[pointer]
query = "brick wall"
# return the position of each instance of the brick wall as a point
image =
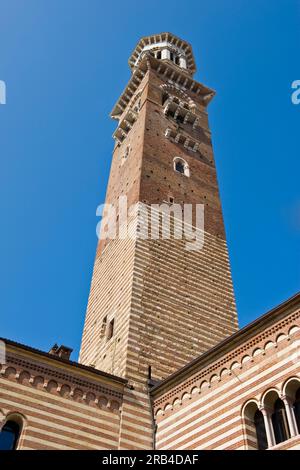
(203, 407)
(59, 406)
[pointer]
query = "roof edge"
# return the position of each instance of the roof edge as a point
(167, 35)
(77, 365)
(236, 338)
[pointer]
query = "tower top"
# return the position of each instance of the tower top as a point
(166, 47)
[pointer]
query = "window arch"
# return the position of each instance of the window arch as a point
(255, 427)
(181, 166)
(291, 391)
(276, 418)
(9, 435)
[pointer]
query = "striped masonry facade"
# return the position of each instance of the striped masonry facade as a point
(204, 409)
(59, 406)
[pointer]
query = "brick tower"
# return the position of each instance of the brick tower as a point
(153, 303)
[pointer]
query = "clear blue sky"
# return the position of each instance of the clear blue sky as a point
(65, 63)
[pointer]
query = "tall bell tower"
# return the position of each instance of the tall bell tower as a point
(153, 304)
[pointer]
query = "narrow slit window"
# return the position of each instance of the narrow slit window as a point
(110, 329)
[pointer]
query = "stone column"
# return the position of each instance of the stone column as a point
(2, 420)
(182, 62)
(269, 427)
(290, 415)
(165, 54)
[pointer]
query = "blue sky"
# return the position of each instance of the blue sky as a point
(65, 63)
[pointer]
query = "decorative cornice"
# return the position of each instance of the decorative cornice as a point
(50, 372)
(240, 343)
(170, 73)
(76, 365)
(179, 136)
(57, 383)
(235, 361)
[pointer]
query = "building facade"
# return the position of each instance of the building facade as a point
(162, 362)
(242, 394)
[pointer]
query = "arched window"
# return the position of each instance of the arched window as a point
(296, 407)
(279, 421)
(255, 430)
(181, 166)
(9, 435)
(260, 430)
(158, 55)
(291, 393)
